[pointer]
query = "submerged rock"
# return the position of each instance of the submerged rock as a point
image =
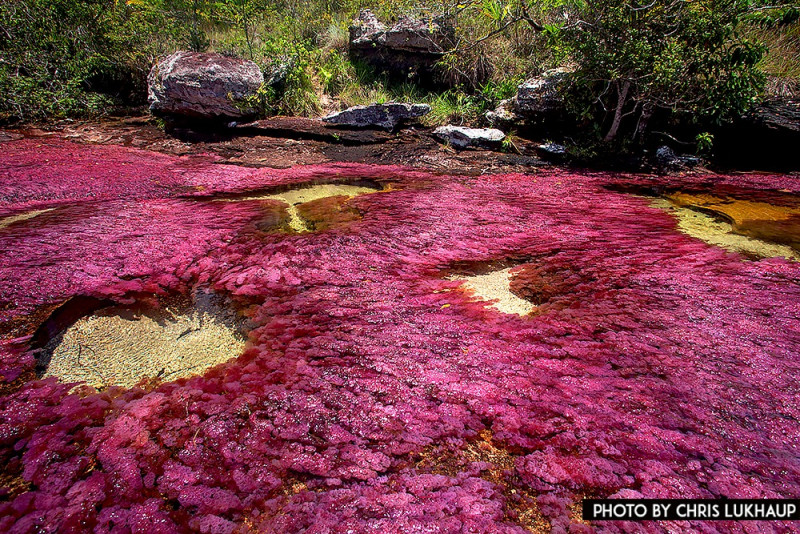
(295, 199)
(387, 116)
(203, 86)
(123, 346)
(463, 137)
(725, 234)
(494, 288)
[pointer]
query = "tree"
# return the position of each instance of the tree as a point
(681, 56)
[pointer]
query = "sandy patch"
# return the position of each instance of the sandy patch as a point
(495, 289)
(8, 221)
(121, 347)
(295, 197)
(721, 234)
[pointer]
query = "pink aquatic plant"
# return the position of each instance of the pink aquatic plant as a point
(657, 365)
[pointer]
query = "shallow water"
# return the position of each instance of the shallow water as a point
(125, 346)
(302, 195)
(374, 394)
(721, 233)
(495, 289)
(11, 219)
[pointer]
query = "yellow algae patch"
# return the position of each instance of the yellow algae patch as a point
(737, 210)
(121, 347)
(722, 234)
(8, 221)
(495, 289)
(295, 197)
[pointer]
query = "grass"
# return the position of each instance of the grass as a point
(781, 62)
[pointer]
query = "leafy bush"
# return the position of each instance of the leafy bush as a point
(63, 58)
(682, 57)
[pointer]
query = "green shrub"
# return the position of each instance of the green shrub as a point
(684, 57)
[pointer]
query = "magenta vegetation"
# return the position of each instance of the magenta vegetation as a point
(656, 365)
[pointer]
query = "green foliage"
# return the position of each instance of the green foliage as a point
(454, 107)
(705, 142)
(684, 57)
(509, 143)
(61, 58)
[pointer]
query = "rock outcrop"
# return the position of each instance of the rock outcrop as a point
(461, 137)
(387, 116)
(409, 48)
(202, 86)
(542, 95)
(666, 160)
(539, 100)
(766, 138)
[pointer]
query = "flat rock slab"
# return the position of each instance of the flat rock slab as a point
(463, 137)
(387, 116)
(9, 136)
(311, 129)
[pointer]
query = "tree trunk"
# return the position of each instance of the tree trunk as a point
(622, 96)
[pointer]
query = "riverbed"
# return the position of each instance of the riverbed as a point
(385, 347)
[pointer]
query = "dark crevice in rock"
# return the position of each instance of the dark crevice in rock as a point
(294, 128)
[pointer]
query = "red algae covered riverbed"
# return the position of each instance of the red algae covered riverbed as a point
(375, 393)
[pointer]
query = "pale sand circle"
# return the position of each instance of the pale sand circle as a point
(721, 234)
(121, 347)
(8, 221)
(293, 197)
(495, 289)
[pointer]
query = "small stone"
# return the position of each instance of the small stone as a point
(463, 137)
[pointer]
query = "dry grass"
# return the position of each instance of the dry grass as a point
(781, 62)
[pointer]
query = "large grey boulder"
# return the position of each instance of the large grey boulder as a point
(544, 94)
(462, 137)
(365, 30)
(408, 34)
(387, 116)
(540, 103)
(410, 47)
(202, 86)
